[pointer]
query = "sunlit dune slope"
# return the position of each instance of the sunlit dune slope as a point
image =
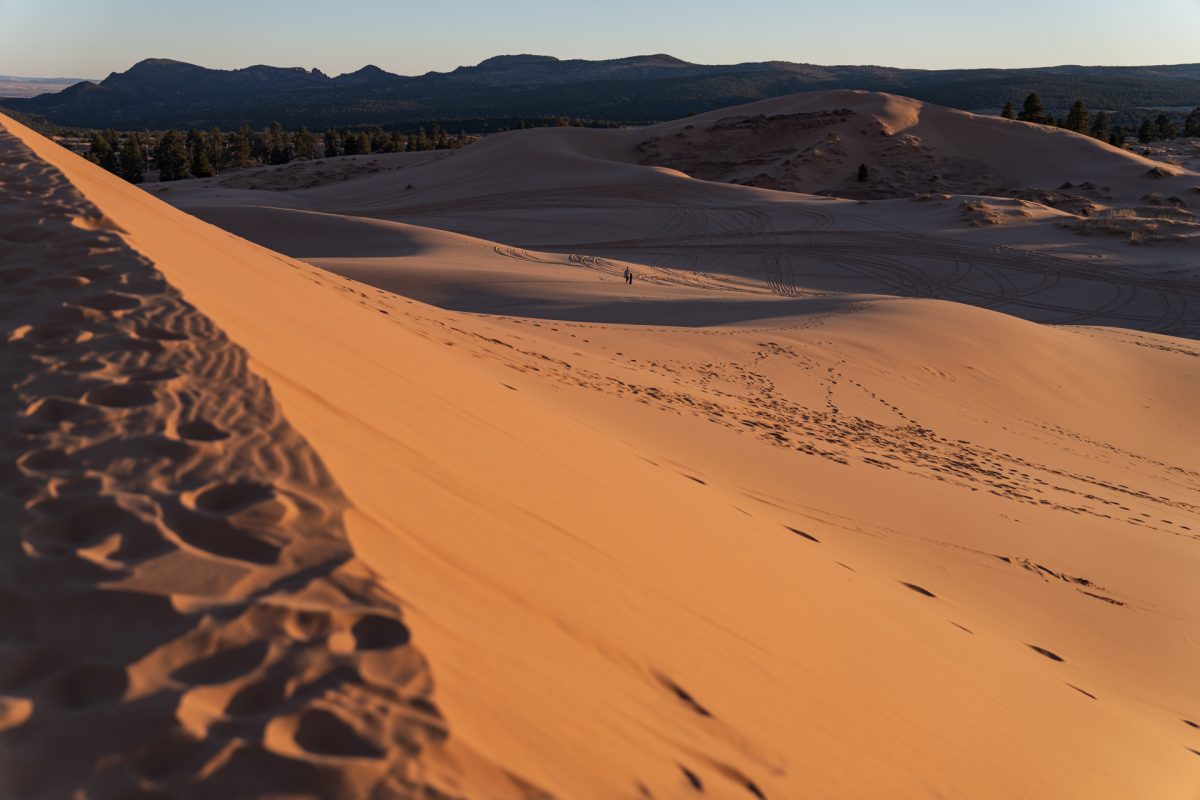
(870, 548)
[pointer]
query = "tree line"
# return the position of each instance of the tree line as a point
(201, 154)
(1100, 126)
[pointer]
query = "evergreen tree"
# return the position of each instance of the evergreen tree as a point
(1078, 119)
(1146, 132)
(863, 173)
(399, 142)
(1167, 129)
(1033, 110)
(132, 159)
(278, 145)
(379, 139)
(216, 148)
(331, 143)
(306, 144)
(1100, 126)
(1008, 112)
(260, 147)
(197, 144)
(351, 144)
(1117, 137)
(1191, 126)
(171, 156)
(102, 152)
(241, 147)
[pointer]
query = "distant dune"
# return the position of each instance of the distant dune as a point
(816, 142)
(1047, 252)
(775, 521)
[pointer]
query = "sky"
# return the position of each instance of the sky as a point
(91, 38)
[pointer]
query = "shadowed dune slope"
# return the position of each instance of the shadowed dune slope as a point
(555, 200)
(872, 548)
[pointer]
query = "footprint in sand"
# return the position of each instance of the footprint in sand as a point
(1044, 652)
(921, 590)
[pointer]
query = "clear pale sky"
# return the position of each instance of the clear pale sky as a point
(91, 38)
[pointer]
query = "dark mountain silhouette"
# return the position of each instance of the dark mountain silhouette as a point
(161, 93)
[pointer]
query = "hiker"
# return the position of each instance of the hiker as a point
(628, 276)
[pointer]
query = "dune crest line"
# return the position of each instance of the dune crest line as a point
(182, 614)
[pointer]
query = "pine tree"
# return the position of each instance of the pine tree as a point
(1100, 127)
(331, 143)
(241, 147)
(1167, 129)
(260, 147)
(306, 144)
(1008, 112)
(278, 145)
(1117, 137)
(101, 152)
(1191, 126)
(863, 173)
(1146, 132)
(1034, 111)
(379, 139)
(197, 144)
(171, 157)
(132, 167)
(1078, 119)
(216, 148)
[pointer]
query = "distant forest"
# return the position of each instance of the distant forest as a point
(174, 155)
(1102, 125)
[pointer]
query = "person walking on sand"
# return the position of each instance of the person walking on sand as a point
(628, 276)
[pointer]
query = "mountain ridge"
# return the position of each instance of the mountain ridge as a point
(162, 93)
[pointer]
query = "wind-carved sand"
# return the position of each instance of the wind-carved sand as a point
(746, 529)
(1084, 234)
(182, 614)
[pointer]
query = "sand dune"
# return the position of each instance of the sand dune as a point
(181, 604)
(852, 546)
(815, 142)
(580, 194)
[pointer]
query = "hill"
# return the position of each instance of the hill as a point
(160, 93)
